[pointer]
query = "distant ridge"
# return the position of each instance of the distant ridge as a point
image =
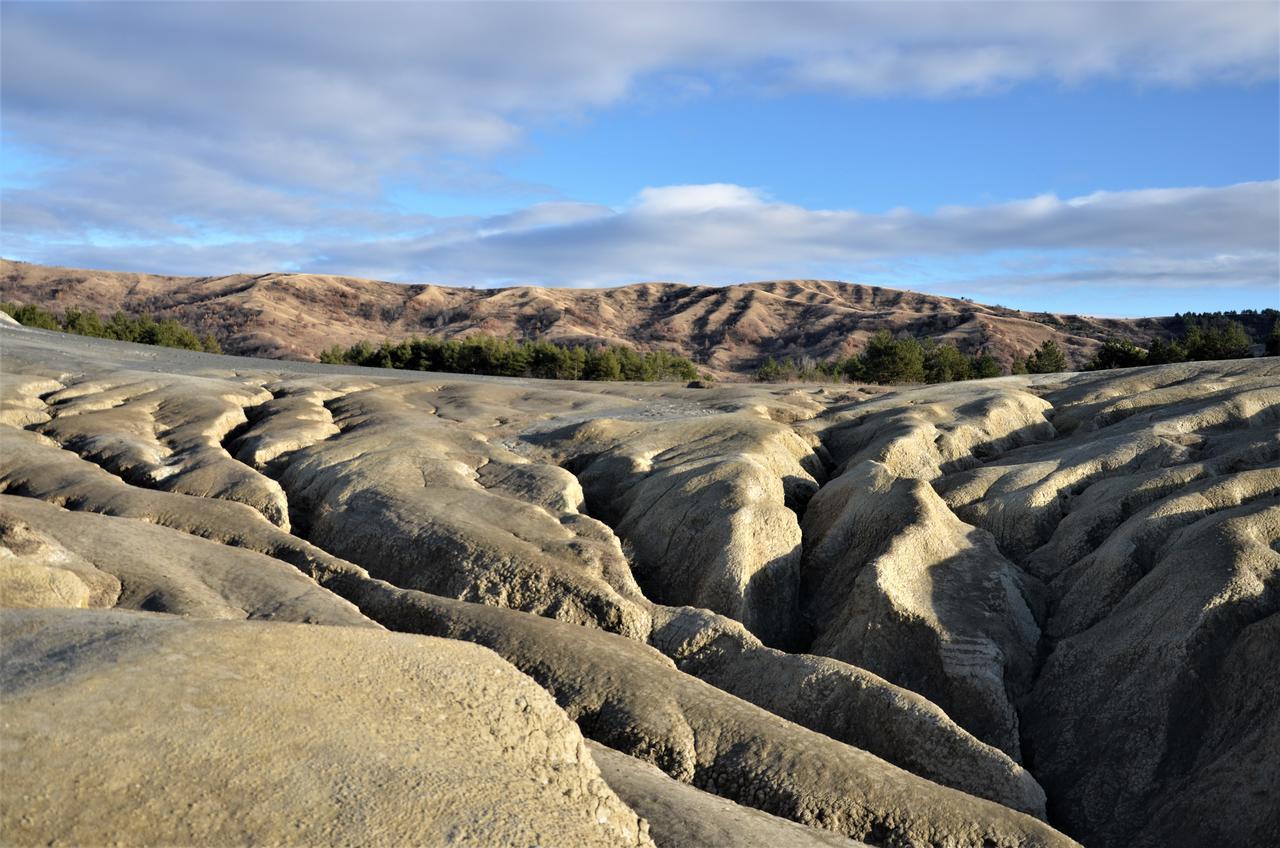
(728, 330)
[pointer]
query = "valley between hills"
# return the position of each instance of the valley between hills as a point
(252, 601)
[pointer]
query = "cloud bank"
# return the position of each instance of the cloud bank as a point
(261, 111)
(726, 233)
(200, 137)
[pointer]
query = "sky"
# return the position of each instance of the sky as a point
(1113, 158)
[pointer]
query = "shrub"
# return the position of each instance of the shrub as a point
(805, 369)
(770, 371)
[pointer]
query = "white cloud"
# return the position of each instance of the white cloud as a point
(695, 199)
(336, 97)
(206, 137)
(721, 233)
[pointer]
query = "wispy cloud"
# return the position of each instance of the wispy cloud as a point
(726, 233)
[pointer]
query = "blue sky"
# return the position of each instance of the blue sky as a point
(827, 150)
(1112, 158)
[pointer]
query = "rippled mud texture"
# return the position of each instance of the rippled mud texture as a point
(1014, 612)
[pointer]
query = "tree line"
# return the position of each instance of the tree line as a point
(143, 329)
(1200, 341)
(486, 354)
(887, 360)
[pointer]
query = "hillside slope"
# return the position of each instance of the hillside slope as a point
(726, 329)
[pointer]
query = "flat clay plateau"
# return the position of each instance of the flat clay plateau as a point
(264, 602)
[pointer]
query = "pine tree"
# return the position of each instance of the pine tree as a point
(1047, 359)
(984, 366)
(1117, 353)
(889, 360)
(1162, 353)
(943, 363)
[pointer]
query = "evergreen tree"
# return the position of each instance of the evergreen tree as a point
(336, 355)
(1162, 353)
(853, 369)
(1233, 342)
(83, 323)
(124, 328)
(889, 360)
(33, 316)
(481, 353)
(943, 363)
(1047, 359)
(984, 366)
(603, 365)
(770, 371)
(169, 333)
(1117, 353)
(143, 329)
(1229, 341)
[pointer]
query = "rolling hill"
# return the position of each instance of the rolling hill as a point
(728, 330)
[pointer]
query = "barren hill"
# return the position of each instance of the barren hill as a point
(726, 329)
(275, 602)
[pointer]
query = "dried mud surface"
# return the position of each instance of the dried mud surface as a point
(255, 601)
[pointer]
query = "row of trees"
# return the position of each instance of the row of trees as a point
(143, 329)
(485, 354)
(885, 359)
(1227, 340)
(888, 360)
(1257, 323)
